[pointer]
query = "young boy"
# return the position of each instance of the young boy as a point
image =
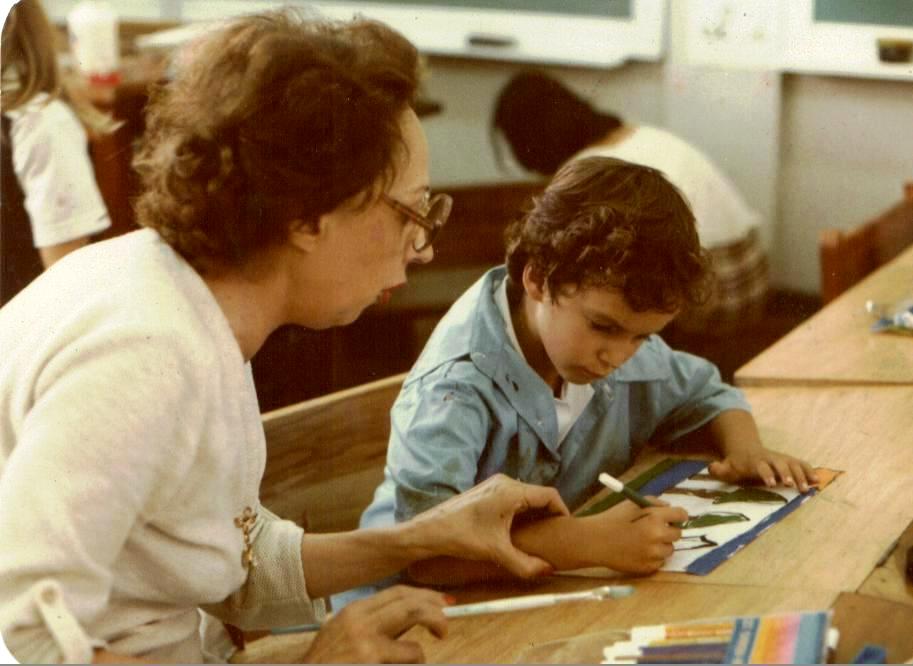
(550, 370)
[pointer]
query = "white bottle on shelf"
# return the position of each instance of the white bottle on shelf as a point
(94, 44)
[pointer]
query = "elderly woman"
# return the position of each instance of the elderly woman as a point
(285, 181)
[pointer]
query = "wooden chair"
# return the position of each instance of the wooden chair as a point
(848, 256)
(474, 235)
(326, 456)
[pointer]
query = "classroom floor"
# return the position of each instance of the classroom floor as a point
(296, 364)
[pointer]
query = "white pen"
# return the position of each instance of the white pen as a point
(538, 601)
(617, 486)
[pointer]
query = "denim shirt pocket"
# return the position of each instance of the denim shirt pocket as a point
(523, 457)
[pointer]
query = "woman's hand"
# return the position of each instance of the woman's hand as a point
(368, 631)
(476, 524)
(766, 465)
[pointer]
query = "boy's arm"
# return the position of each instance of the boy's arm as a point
(697, 395)
(735, 435)
(624, 538)
(439, 430)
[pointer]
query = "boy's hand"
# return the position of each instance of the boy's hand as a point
(745, 458)
(761, 463)
(628, 538)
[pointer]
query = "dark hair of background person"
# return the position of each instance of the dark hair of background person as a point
(544, 123)
(278, 117)
(29, 52)
(603, 222)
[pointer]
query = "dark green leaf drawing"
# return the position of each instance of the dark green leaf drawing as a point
(695, 542)
(753, 495)
(711, 518)
(612, 499)
(705, 493)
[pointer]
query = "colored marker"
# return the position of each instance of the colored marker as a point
(676, 632)
(617, 486)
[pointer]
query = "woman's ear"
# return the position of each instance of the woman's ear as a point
(305, 234)
(534, 285)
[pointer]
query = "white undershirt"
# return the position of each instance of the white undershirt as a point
(574, 397)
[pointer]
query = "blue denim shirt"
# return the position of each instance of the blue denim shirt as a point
(472, 407)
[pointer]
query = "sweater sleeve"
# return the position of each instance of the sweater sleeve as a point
(87, 462)
(275, 592)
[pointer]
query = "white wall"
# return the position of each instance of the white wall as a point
(807, 151)
(846, 149)
(461, 150)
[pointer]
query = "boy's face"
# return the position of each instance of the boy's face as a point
(586, 334)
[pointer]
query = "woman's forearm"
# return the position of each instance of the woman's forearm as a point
(340, 561)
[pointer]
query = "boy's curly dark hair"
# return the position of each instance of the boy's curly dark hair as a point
(272, 118)
(603, 222)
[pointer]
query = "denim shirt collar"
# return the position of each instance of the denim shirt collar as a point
(475, 329)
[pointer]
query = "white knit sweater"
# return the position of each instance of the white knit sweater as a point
(130, 439)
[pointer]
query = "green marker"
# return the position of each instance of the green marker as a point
(617, 486)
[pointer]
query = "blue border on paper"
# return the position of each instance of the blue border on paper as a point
(707, 563)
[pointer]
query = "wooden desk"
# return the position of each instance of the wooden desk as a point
(888, 581)
(503, 637)
(838, 539)
(836, 346)
(832, 545)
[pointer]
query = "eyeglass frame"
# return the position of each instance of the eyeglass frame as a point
(433, 229)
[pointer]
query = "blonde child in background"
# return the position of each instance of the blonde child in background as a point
(51, 202)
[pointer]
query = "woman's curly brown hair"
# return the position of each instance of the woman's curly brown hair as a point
(272, 118)
(603, 222)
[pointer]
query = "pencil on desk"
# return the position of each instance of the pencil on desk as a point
(296, 629)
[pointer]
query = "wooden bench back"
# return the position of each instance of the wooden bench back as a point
(848, 256)
(326, 456)
(474, 235)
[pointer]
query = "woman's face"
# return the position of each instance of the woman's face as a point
(361, 255)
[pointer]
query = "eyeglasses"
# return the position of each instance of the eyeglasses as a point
(435, 209)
